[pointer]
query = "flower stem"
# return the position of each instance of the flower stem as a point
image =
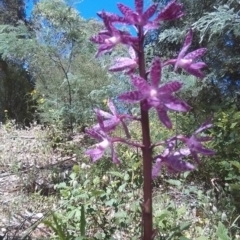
(146, 152)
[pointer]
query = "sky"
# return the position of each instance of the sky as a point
(88, 8)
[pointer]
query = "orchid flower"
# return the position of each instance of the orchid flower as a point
(124, 63)
(172, 11)
(109, 38)
(158, 97)
(172, 161)
(113, 120)
(187, 61)
(100, 148)
(194, 142)
(142, 18)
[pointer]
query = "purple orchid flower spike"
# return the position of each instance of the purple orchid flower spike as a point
(158, 97)
(138, 18)
(100, 148)
(187, 61)
(127, 64)
(194, 142)
(109, 38)
(172, 161)
(113, 120)
(171, 12)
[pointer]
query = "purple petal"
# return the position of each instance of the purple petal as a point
(95, 154)
(153, 101)
(129, 14)
(112, 107)
(172, 11)
(183, 152)
(112, 17)
(123, 64)
(186, 45)
(155, 72)
(132, 97)
(139, 6)
(95, 133)
(103, 113)
(98, 39)
(170, 87)
(198, 65)
(195, 70)
(176, 104)
(149, 13)
(206, 125)
(168, 62)
(196, 146)
(129, 40)
(103, 49)
(195, 54)
(141, 84)
(100, 120)
(109, 125)
(163, 117)
(177, 164)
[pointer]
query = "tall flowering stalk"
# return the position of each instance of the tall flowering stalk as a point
(149, 93)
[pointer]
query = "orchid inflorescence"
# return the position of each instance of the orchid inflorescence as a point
(148, 91)
(154, 96)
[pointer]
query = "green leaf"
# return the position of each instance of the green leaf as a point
(233, 125)
(110, 202)
(185, 226)
(120, 214)
(122, 187)
(126, 177)
(174, 182)
(60, 231)
(117, 174)
(76, 168)
(96, 193)
(222, 232)
(235, 164)
(202, 238)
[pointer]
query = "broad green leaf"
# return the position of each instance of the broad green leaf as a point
(233, 125)
(122, 187)
(222, 232)
(117, 174)
(185, 226)
(235, 164)
(97, 193)
(120, 214)
(174, 182)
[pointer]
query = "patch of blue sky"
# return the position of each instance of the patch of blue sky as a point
(89, 8)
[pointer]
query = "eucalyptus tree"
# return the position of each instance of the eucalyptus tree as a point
(67, 75)
(15, 80)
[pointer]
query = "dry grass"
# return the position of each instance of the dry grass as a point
(27, 163)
